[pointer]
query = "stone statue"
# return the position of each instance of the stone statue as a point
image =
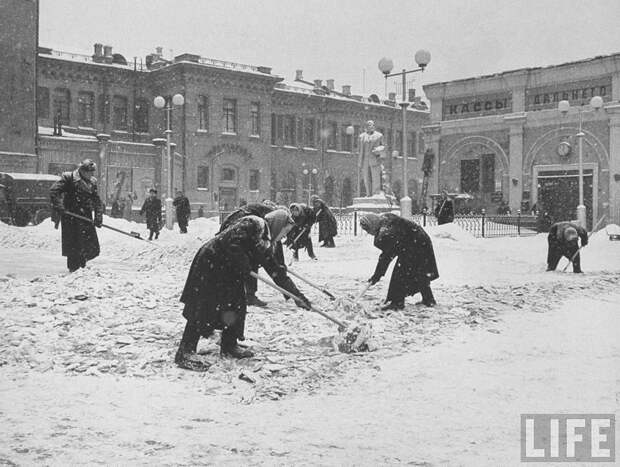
(370, 155)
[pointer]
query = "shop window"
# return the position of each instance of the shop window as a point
(86, 109)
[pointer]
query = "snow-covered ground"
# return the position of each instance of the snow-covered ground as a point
(87, 372)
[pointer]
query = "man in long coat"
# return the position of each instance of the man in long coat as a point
(299, 236)
(415, 265)
(252, 209)
(328, 227)
(563, 240)
(214, 294)
(152, 209)
(76, 192)
(183, 210)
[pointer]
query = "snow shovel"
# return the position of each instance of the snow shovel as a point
(86, 219)
(351, 339)
(316, 286)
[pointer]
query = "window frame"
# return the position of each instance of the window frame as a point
(86, 109)
(119, 113)
(229, 115)
(255, 119)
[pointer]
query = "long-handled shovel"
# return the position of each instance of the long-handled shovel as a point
(352, 339)
(572, 258)
(135, 235)
(309, 282)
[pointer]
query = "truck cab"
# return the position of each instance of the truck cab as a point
(25, 197)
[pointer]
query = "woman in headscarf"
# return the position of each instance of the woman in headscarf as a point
(328, 227)
(214, 293)
(415, 264)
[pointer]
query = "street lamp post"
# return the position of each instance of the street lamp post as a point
(310, 173)
(563, 106)
(422, 58)
(350, 130)
(167, 104)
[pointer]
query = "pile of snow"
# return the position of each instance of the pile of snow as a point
(449, 231)
(602, 236)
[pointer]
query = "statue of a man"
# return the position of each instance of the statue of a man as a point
(370, 155)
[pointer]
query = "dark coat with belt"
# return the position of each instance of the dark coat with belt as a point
(214, 293)
(152, 209)
(252, 209)
(74, 194)
(299, 235)
(444, 211)
(415, 265)
(328, 227)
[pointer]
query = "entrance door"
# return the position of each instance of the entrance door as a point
(228, 199)
(558, 194)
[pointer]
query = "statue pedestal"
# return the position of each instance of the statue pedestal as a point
(376, 203)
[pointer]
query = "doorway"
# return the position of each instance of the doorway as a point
(228, 199)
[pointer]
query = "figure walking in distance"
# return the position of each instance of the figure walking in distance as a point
(152, 209)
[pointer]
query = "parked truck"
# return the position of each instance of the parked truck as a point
(25, 197)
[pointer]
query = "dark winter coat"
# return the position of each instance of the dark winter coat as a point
(74, 194)
(214, 292)
(415, 265)
(183, 209)
(444, 211)
(299, 235)
(252, 209)
(152, 209)
(559, 242)
(328, 227)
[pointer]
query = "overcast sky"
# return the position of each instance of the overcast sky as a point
(344, 39)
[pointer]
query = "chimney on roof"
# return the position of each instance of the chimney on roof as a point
(411, 95)
(330, 84)
(98, 53)
(346, 89)
(318, 83)
(107, 53)
(299, 75)
(392, 97)
(159, 51)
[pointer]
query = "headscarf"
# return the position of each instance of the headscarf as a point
(371, 223)
(570, 234)
(278, 220)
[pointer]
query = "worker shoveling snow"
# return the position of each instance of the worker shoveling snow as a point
(353, 337)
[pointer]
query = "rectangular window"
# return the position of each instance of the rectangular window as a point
(332, 138)
(470, 176)
(356, 137)
(228, 174)
(62, 103)
(347, 140)
(86, 109)
(289, 130)
(274, 128)
(141, 116)
(230, 116)
(104, 109)
(119, 113)
(203, 112)
(202, 176)
(254, 180)
(488, 173)
(43, 102)
(309, 132)
(412, 144)
(299, 132)
(255, 119)
(398, 144)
